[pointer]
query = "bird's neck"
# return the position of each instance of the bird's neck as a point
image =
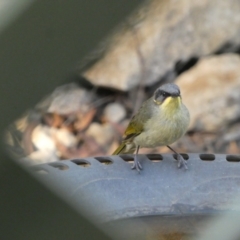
(171, 105)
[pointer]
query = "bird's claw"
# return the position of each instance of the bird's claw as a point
(136, 165)
(182, 162)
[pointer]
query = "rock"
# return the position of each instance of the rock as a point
(42, 138)
(46, 150)
(47, 140)
(161, 34)
(64, 137)
(114, 112)
(67, 99)
(211, 91)
(103, 134)
(39, 157)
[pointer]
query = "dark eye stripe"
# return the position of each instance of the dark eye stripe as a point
(165, 94)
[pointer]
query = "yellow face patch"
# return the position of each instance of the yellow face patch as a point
(171, 104)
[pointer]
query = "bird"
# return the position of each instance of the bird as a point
(160, 121)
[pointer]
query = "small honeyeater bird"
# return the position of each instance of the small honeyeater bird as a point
(161, 120)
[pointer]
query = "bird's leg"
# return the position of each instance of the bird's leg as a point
(136, 163)
(180, 159)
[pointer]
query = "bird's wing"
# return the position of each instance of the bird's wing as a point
(136, 125)
(134, 128)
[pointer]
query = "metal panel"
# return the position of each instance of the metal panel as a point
(116, 192)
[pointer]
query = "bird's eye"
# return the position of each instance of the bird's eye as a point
(164, 94)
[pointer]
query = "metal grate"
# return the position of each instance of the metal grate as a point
(116, 194)
(154, 158)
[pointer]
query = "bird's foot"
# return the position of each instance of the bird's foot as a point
(136, 164)
(181, 162)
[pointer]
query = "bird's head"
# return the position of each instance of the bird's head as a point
(167, 95)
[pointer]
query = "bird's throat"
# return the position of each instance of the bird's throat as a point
(171, 104)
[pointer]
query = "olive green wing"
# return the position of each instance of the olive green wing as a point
(134, 128)
(136, 125)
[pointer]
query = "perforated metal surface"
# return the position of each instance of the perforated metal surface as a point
(113, 191)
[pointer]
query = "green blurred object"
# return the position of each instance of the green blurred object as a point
(37, 50)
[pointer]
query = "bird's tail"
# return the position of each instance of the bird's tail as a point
(125, 148)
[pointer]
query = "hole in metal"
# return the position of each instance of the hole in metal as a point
(81, 162)
(59, 166)
(184, 155)
(233, 158)
(127, 158)
(104, 160)
(40, 171)
(155, 157)
(207, 157)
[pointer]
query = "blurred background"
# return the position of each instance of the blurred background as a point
(74, 107)
(196, 45)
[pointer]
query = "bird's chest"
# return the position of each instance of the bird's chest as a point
(163, 130)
